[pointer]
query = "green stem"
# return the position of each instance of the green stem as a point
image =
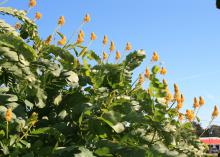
(74, 33)
(152, 140)
(7, 129)
(207, 126)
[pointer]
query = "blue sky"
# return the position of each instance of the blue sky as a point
(184, 33)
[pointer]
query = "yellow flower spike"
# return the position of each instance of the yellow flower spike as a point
(179, 104)
(201, 101)
(62, 41)
(80, 38)
(105, 56)
(38, 15)
(105, 40)
(163, 71)
(17, 25)
(112, 46)
(48, 40)
(165, 82)
(82, 33)
(93, 36)
(155, 57)
(141, 79)
(182, 98)
(147, 73)
(32, 3)
(196, 103)
(176, 88)
(215, 112)
(87, 18)
(128, 46)
(8, 115)
(118, 55)
(61, 21)
(169, 96)
(189, 115)
(180, 117)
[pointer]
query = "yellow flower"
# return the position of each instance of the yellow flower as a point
(176, 90)
(62, 41)
(112, 46)
(201, 101)
(61, 21)
(165, 82)
(163, 71)
(118, 55)
(180, 117)
(80, 38)
(93, 36)
(82, 33)
(182, 98)
(128, 46)
(48, 40)
(155, 57)
(147, 73)
(169, 96)
(86, 18)
(17, 25)
(141, 79)
(189, 115)
(32, 3)
(179, 104)
(215, 112)
(105, 40)
(38, 16)
(105, 56)
(196, 103)
(8, 115)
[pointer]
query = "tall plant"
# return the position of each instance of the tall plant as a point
(61, 99)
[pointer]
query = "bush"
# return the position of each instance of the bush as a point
(64, 100)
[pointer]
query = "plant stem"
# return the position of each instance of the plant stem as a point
(207, 126)
(7, 129)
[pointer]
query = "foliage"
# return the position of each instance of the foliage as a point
(64, 106)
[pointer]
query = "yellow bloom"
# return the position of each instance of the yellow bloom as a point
(86, 18)
(112, 46)
(93, 36)
(8, 115)
(169, 96)
(179, 104)
(196, 103)
(163, 71)
(176, 88)
(62, 41)
(177, 93)
(165, 82)
(128, 46)
(105, 40)
(80, 38)
(182, 98)
(32, 3)
(155, 57)
(215, 112)
(82, 33)
(180, 117)
(105, 56)
(48, 40)
(61, 21)
(201, 101)
(118, 55)
(189, 115)
(38, 16)
(141, 79)
(147, 73)
(17, 25)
